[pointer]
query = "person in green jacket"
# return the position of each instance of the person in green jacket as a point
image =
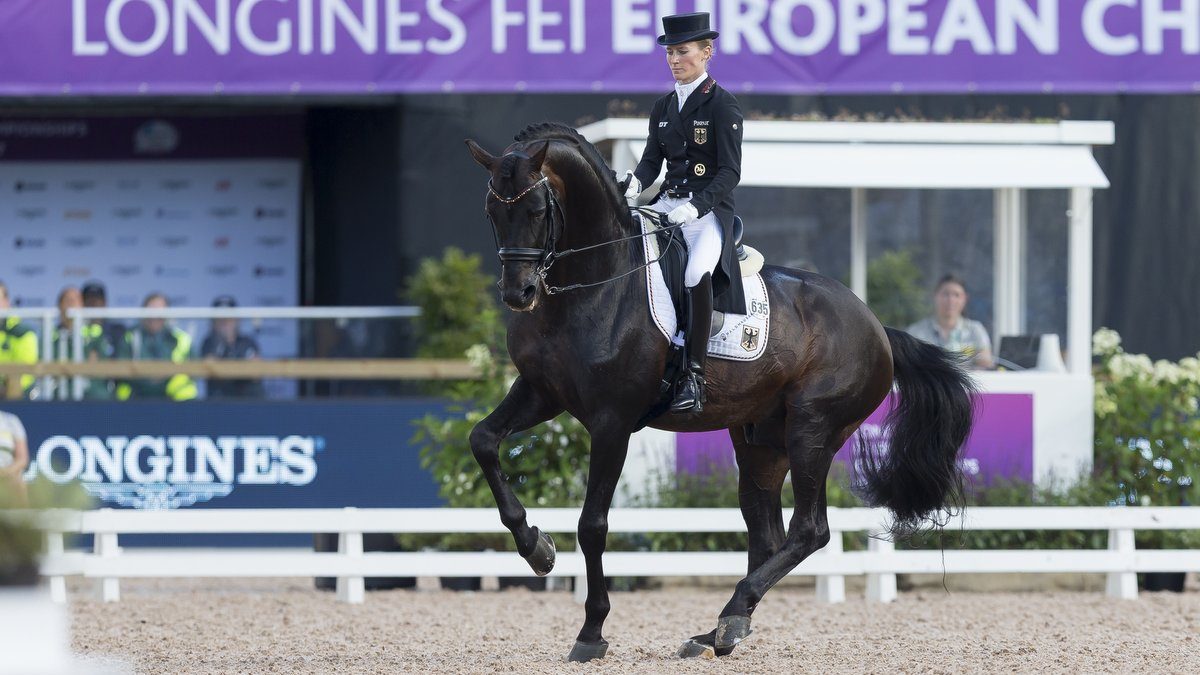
(155, 339)
(18, 343)
(96, 345)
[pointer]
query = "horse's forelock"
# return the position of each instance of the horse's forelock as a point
(509, 164)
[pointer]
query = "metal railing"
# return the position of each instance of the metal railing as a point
(46, 320)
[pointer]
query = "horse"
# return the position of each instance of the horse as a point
(582, 340)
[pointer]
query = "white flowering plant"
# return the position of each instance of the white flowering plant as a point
(1147, 424)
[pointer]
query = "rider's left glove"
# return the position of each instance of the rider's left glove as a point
(683, 214)
(634, 186)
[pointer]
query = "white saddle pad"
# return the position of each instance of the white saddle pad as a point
(741, 338)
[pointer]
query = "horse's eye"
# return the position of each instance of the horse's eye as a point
(537, 213)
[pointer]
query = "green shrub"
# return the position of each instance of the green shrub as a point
(545, 466)
(21, 541)
(1147, 424)
(458, 307)
(895, 291)
(717, 487)
(1147, 432)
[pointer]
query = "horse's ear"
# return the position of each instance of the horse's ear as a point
(483, 157)
(539, 157)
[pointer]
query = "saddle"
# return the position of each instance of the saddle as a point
(675, 260)
(668, 248)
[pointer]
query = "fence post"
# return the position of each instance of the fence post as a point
(351, 589)
(881, 587)
(832, 588)
(55, 549)
(1122, 585)
(105, 545)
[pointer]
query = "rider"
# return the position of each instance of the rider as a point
(697, 129)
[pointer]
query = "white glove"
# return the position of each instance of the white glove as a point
(683, 214)
(635, 187)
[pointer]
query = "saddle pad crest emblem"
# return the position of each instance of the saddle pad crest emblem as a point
(749, 338)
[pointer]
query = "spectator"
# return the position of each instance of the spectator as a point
(18, 343)
(949, 329)
(62, 347)
(101, 336)
(225, 341)
(14, 457)
(156, 340)
(95, 346)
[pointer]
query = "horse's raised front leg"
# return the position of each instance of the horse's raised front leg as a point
(522, 408)
(761, 472)
(608, 458)
(811, 444)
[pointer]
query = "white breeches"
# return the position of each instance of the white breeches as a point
(703, 237)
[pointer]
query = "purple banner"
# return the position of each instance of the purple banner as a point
(781, 46)
(1000, 444)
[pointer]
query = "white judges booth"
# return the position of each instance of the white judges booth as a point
(1005, 162)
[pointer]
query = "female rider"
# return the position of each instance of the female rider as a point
(697, 129)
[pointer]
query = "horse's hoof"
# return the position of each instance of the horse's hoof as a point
(730, 631)
(703, 646)
(542, 558)
(693, 649)
(583, 652)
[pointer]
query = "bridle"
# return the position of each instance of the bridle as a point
(546, 256)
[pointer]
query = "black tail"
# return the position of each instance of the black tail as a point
(917, 474)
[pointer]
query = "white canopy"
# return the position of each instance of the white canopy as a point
(900, 154)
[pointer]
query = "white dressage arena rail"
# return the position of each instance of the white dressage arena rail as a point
(880, 562)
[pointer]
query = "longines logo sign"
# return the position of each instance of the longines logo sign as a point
(167, 472)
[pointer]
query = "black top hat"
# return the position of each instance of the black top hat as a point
(224, 301)
(682, 28)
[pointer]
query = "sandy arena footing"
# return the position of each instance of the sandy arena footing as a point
(285, 626)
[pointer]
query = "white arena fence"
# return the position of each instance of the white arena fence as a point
(107, 562)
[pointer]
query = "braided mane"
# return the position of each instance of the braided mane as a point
(557, 131)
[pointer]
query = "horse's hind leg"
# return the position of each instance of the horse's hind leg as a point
(761, 472)
(522, 408)
(812, 441)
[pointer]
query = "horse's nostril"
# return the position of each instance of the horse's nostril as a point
(527, 294)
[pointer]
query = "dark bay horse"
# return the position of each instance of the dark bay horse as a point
(596, 354)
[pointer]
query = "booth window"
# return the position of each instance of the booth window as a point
(914, 237)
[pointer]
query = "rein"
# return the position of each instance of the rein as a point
(546, 256)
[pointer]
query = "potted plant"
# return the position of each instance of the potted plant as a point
(20, 542)
(1148, 438)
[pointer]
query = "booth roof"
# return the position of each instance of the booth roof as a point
(904, 154)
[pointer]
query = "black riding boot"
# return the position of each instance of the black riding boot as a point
(690, 397)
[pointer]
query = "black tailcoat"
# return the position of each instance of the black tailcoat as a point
(702, 145)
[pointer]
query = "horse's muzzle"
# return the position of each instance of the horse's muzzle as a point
(519, 288)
